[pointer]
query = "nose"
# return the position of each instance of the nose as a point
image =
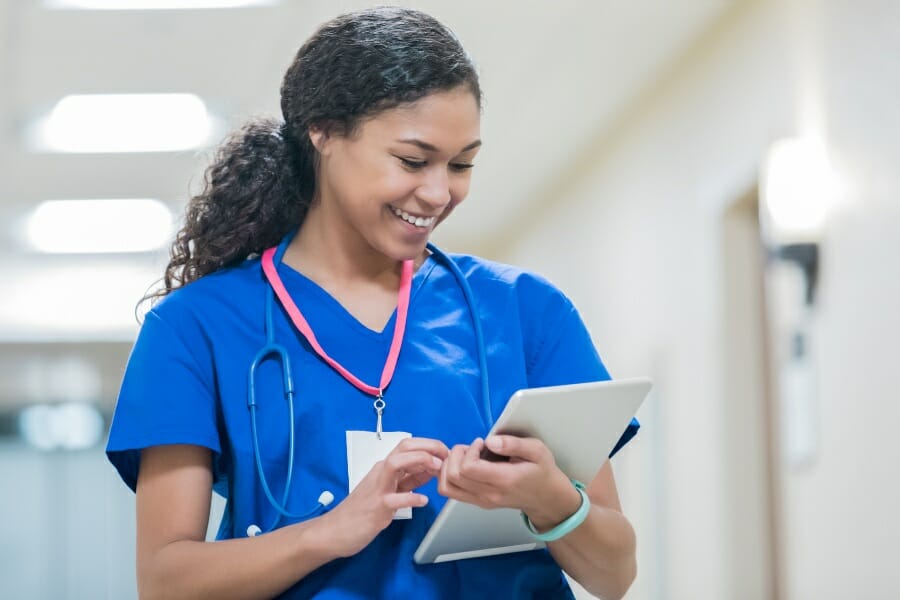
(435, 188)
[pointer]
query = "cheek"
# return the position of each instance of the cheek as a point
(389, 185)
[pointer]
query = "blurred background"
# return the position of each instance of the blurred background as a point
(714, 182)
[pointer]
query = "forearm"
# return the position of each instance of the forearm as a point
(257, 567)
(600, 553)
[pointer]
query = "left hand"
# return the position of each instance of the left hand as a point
(529, 481)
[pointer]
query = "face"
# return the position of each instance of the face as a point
(400, 174)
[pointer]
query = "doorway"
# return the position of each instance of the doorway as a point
(749, 408)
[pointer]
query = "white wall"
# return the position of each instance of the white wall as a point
(843, 511)
(636, 241)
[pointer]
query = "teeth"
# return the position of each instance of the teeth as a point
(417, 221)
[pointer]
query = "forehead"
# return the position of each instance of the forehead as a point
(449, 120)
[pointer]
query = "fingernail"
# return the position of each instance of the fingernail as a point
(494, 443)
(436, 462)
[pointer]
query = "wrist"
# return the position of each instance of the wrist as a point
(569, 524)
(326, 538)
(562, 501)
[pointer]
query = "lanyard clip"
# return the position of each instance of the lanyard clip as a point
(378, 405)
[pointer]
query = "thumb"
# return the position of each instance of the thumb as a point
(528, 449)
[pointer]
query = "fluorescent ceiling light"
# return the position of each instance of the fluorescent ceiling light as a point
(154, 4)
(100, 226)
(125, 123)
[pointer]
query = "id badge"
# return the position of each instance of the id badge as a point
(364, 449)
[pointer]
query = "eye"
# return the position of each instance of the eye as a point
(461, 166)
(412, 164)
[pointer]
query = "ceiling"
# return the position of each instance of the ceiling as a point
(555, 77)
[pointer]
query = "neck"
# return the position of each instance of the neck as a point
(330, 253)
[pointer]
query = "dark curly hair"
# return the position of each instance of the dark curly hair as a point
(262, 179)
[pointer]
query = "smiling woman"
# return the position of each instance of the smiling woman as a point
(331, 211)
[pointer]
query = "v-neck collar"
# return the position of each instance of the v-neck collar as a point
(302, 286)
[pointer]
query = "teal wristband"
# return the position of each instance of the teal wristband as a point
(566, 526)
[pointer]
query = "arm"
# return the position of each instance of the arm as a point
(599, 554)
(174, 561)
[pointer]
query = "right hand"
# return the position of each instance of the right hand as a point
(387, 487)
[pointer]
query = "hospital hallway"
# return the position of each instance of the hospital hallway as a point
(713, 184)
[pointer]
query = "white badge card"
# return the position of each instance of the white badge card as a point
(364, 449)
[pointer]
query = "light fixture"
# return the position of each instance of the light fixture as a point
(153, 4)
(798, 189)
(124, 123)
(100, 226)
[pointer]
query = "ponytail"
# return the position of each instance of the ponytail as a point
(258, 188)
(262, 180)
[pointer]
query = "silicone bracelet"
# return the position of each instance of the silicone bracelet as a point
(566, 526)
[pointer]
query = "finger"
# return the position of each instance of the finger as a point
(400, 500)
(454, 474)
(485, 498)
(411, 481)
(529, 449)
(477, 470)
(468, 465)
(480, 472)
(399, 464)
(473, 453)
(434, 447)
(450, 469)
(453, 462)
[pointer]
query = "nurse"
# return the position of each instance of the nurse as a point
(305, 256)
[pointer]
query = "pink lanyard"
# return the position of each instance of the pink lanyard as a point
(268, 265)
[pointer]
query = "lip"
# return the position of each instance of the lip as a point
(409, 227)
(416, 215)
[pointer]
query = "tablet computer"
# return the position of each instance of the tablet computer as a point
(580, 423)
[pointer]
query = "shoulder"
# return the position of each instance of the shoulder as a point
(225, 290)
(528, 288)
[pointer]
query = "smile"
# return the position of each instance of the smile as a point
(412, 219)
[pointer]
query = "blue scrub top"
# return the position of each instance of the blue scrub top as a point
(187, 377)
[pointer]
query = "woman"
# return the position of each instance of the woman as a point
(381, 127)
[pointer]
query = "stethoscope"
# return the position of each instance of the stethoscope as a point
(277, 352)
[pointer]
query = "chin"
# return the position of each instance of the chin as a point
(405, 251)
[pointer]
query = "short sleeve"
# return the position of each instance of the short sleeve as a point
(566, 354)
(166, 397)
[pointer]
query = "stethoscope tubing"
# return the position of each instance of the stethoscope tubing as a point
(274, 350)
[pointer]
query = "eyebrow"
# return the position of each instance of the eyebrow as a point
(430, 148)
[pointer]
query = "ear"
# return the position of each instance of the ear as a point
(319, 137)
